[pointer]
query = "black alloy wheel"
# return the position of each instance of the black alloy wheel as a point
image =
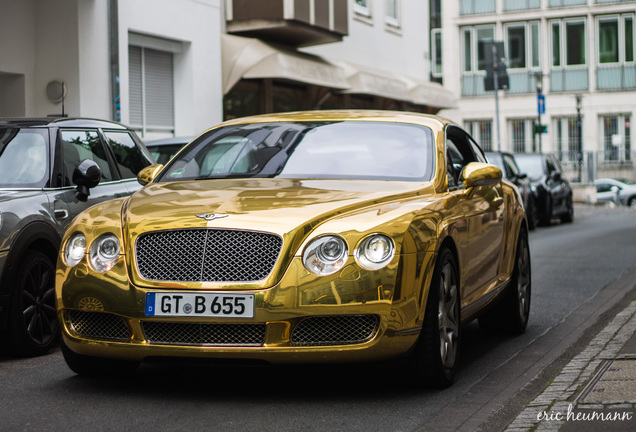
(436, 354)
(33, 325)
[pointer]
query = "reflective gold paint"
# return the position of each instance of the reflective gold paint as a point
(419, 217)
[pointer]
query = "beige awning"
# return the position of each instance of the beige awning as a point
(368, 81)
(253, 58)
(431, 94)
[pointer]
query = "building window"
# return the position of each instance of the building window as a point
(568, 43)
(474, 40)
(436, 40)
(616, 68)
(151, 90)
(523, 45)
(617, 138)
(566, 138)
(520, 132)
(470, 7)
(569, 70)
(362, 7)
(481, 131)
(393, 13)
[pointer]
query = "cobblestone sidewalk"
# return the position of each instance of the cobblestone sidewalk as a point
(597, 389)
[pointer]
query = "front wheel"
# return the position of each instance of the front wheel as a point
(436, 354)
(632, 203)
(33, 327)
(569, 214)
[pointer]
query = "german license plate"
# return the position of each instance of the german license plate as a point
(184, 304)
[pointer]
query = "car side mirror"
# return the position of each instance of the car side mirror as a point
(522, 175)
(148, 174)
(480, 174)
(86, 175)
(615, 189)
(555, 175)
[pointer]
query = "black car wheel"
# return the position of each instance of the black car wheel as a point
(511, 313)
(96, 366)
(531, 213)
(568, 216)
(33, 326)
(632, 203)
(545, 217)
(437, 350)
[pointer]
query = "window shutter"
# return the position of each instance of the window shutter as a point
(135, 86)
(159, 89)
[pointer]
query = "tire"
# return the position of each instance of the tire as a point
(632, 203)
(436, 354)
(545, 218)
(33, 326)
(512, 312)
(568, 217)
(97, 366)
(531, 213)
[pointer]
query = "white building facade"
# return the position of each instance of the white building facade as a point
(578, 54)
(152, 64)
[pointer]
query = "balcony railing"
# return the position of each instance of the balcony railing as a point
(515, 5)
(474, 7)
(618, 77)
(564, 3)
(569, 79)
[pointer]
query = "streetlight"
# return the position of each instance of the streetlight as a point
(579, 132)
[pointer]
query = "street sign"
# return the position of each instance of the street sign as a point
(540, 129)
(541, 104)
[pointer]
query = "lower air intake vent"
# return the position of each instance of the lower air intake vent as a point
(204, 334)
(335, 330)
(99, 325)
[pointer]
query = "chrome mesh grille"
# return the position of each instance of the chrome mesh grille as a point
(99, 325)
(207, 255)
(334, 330)
(176, 333)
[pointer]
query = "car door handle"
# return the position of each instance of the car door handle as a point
(60, 214)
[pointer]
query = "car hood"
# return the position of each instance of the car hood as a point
(280, 206)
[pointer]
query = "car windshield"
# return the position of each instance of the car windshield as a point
(531, 165)
(326, 150)
(23, 158)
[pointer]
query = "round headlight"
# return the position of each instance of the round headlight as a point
(325, 255)
(104, 252)
(375, 251)
(75, 249)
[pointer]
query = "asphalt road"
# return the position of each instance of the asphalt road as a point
(576, 270)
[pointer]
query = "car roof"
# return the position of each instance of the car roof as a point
(58, 121)
(430, 120)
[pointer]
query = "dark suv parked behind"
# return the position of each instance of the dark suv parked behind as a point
(553, 191)
(40, 161)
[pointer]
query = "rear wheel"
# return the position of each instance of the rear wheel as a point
(33, 327)
(96, 366)
(632, 203)
(436, 353)
(569, 214)
(511, 314)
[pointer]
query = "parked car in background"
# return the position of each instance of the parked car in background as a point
(618, 191)
(325, 236)
(51, 170)
(552, 191)
(163, 149)
(511, 171)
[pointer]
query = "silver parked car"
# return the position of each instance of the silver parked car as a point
(50, 170)
(619, 191)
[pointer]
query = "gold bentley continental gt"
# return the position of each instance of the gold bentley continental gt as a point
(307, 237)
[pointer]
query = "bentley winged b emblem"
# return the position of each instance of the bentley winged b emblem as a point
(211, 216)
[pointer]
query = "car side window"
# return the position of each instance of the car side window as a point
(460, 151)
(128, 157)
(83, 144)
